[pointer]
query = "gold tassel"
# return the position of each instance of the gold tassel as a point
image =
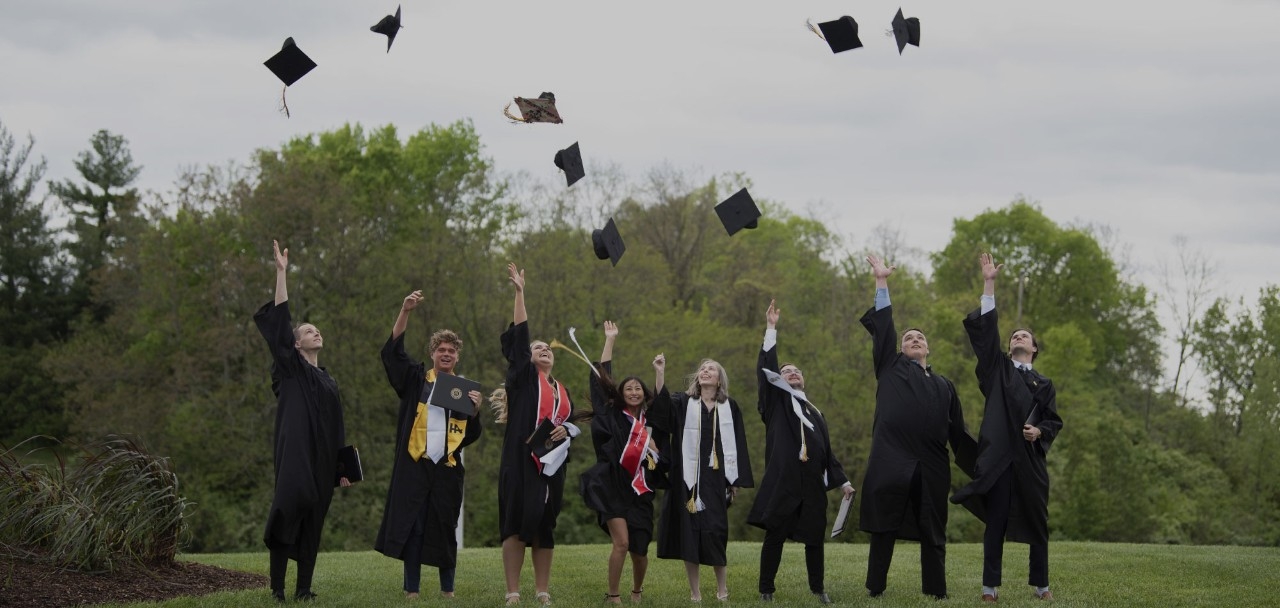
(507, 111)
(804, 446)
(813, 28)
(691, 505)
(560, 345)
(650, 463)
(715, 427)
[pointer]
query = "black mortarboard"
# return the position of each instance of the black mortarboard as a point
(389, 26)
(535, 109)
(841, 35)
(290, 63)
(570, 161)
(608, 243)
(738, 212)
(906, 31)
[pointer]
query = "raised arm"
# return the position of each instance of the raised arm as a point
(517, 279)
(411, 302)
(989, 272)
(768, 358)
(610, 335)
(659, 372)
(880, 272)
(282, 267)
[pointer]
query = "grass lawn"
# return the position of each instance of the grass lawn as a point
(1082, 574)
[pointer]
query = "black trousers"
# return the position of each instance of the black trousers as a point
(280, 564)
(771, 558)
(998, 499)
(933, 558)
(413, 558)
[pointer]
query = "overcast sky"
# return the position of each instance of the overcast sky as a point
(1155, 118)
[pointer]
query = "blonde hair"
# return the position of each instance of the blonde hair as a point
(498, 403)
(722, 388)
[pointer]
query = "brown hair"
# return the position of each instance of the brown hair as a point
(444, 336)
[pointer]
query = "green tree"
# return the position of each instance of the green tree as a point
(33, 314)
(103, 209)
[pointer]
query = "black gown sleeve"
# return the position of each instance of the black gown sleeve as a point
(276, 327)
(984, 337)
(745, 479)
(963, 445)
(399, 366)
(768, 359)
(879, 324)
(1050, 423)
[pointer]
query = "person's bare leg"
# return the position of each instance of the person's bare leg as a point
(542, 569)
(695, 591)
(512, 562)
(722, 582)
(618, 555)
(639, 566)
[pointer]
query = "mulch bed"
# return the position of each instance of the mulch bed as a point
(24, 585)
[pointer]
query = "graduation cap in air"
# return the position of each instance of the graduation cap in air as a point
(289, 65)
(841, 35)
(535, 109)
(738, 212)
(906, 31)
(389, 26)
(570, 161)
(608, 243)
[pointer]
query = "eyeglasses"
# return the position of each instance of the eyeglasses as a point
(792, 370)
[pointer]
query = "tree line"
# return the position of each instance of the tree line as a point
(134, 318)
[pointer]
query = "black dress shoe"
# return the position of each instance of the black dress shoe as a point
(871, 593)
(278, 595)
(823, 598)
(304, 596)
(766, 597)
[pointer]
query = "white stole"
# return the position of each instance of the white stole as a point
(796, 395)
(437, 429)
(691, 446)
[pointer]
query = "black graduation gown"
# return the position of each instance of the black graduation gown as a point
(414, 483)
(1013, 398)
(700, 537)
(917, 414)
(308, 434)
(789, 482)
(528, 502)
(606, 486)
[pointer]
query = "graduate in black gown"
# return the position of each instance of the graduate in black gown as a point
(530, 490)
(799, 469)
(1010, 491)
(709, 462)
(308, 434)
(420, 519)
(620, 486)
(904, 494)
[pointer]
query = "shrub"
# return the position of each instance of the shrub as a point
(116, 504)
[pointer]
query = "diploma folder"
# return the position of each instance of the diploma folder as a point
(842, 516)
(451, 393)
(348, 465)
(540, 442)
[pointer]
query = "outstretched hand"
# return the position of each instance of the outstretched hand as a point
(282, 259)
(516, 275)
(878, 269)
(610, 330)
(412, 300)
(660, 362)
(989, 268)
(771, 315)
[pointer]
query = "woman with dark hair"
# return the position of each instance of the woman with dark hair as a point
(709, 462)
(620, 486)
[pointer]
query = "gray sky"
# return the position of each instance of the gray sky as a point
(1155, 118)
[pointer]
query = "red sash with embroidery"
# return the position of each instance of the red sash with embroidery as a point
(633, 454)
(553, 404)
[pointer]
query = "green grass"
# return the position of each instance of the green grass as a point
(1083, 574)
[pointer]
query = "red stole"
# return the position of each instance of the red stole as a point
(633, 455)
(553, 404)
